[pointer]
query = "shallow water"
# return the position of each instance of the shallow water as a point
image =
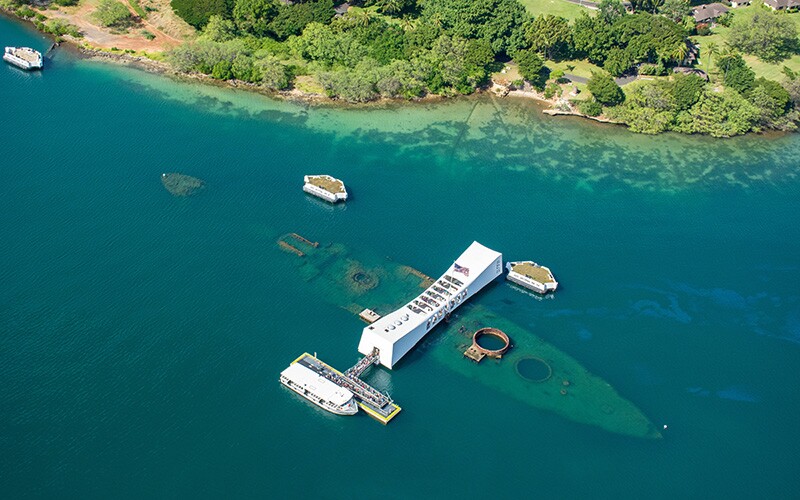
(142, 334)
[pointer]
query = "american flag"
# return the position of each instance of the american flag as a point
(461, 269)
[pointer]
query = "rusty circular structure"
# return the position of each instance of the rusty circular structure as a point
(492, 332)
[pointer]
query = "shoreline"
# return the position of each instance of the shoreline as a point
(84, 50)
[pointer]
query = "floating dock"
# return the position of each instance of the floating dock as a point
(376, 404)
(532, 276)
(326, 187)
(369, 316)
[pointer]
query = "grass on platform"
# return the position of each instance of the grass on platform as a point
(556, 8)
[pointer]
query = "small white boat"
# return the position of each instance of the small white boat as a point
(326, 187)
(23, 57)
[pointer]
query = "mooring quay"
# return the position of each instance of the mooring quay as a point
(375, 403)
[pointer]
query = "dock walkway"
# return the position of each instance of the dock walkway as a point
(377, 404)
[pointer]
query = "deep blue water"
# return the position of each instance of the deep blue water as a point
(141, 335)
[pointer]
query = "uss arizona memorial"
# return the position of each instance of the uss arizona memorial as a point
(387, 339)
(395, 334)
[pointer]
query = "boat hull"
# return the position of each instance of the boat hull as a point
(351, 408)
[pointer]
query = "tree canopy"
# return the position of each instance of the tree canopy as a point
(550, 36)
(500, 22)
(605, 89)
(198, 12)
(770, 36)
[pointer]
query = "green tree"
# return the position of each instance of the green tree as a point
(649, 38)
(198, 12)
(650, 6)
(590, 107)
(610, 10)
(771, 99)
(242, 69)
(356, 85)
(605, 89)
(770, 36)
(329, 46)
(686, 90)
(550, 36)
(392, 6)
(675, 10)
(735, 73)
(112, 13)
(222, 70)
(398, 79)
(618, 61)
(359, 17)
(530, 66)
(722, 114)
(274, 74)
(679, 52)
(291, 19)
(219, 29)
(500, 22)
(254, 16)
(592, 38)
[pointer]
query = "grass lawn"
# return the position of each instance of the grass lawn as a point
(555, 7)
(581, 68)
(770, 71)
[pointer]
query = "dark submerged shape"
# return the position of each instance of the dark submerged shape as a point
(181, 184)
(332, 270)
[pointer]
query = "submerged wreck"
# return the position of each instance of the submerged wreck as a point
(181, 184)
(533, 372)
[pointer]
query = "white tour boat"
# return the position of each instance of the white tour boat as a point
(23, 57)
(305, 381)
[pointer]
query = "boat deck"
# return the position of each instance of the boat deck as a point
(373, 402)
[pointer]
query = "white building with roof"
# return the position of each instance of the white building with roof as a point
(396, 333)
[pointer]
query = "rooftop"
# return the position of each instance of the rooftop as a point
(395, 325)
(708, 12)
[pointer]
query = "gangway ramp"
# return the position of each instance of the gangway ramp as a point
(375, 403)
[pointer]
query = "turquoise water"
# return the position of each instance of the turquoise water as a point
(141, 335)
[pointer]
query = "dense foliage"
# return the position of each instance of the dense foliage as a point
(771, 36)
(499, 22)
(198, 12)
(605, 89)
(410, 48)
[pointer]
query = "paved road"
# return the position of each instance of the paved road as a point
(585, 3)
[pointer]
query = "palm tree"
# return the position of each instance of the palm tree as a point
(712, 50)
(359, 17)
(679, 53)
(391, 6)
(407, 23)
